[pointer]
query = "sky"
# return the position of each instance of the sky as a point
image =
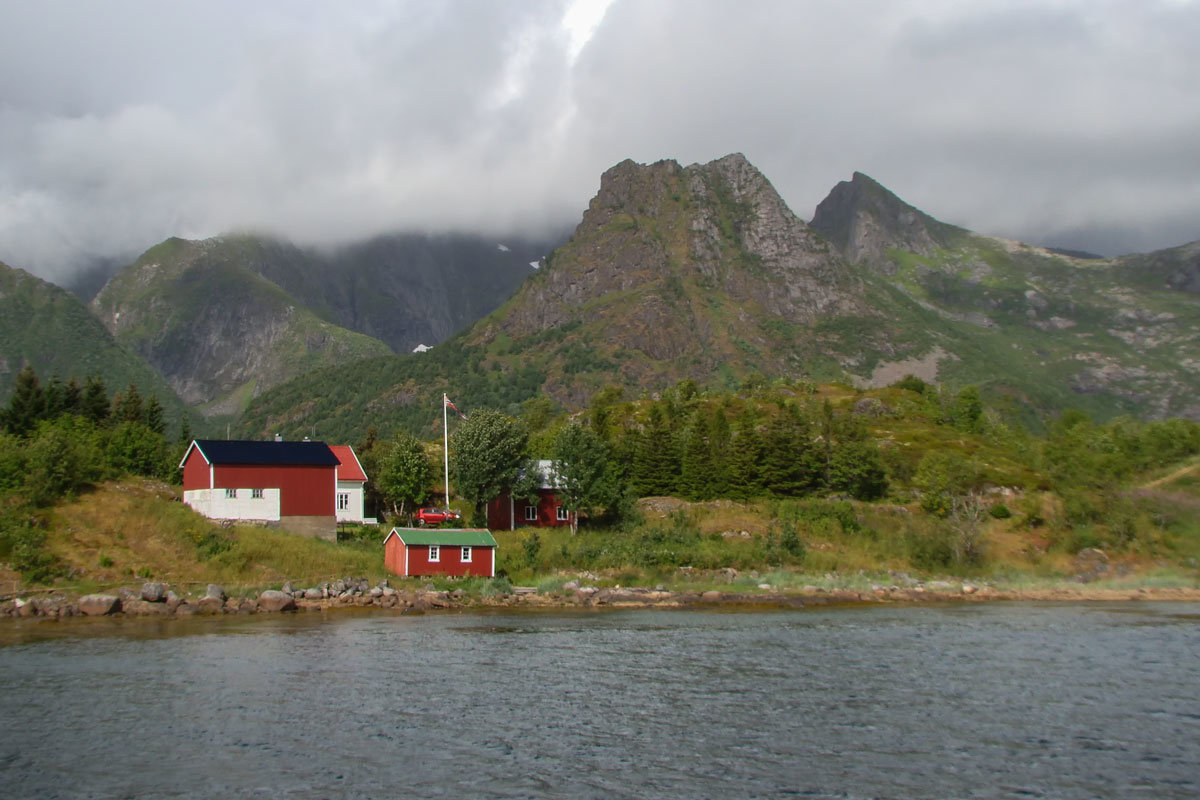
(1072, 123)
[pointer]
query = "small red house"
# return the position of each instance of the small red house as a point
(440, 551)
(291, 483)
(507, 513)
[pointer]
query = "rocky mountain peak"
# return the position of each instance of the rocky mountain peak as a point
(864, 220)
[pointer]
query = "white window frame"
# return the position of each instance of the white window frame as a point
(466, 554)
(531, 513)
(561, 514)
(231, 494)
(435, 553)
(343, 501)
(256, 494)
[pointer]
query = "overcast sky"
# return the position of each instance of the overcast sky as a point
(1073, 123)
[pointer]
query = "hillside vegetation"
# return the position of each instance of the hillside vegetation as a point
(800, 484)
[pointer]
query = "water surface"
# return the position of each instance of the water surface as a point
(1070, 701)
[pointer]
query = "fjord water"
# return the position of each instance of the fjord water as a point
(954, 701)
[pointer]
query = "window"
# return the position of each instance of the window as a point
(231, 494)
(256, 494)
(561, 512)
(343, 501)
(531, 513)
(466, 555)
(435, 551)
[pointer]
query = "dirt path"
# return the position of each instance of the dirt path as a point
(1179, 473)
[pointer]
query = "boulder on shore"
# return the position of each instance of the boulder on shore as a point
(154, 592)
(275, 600)
(97, 605)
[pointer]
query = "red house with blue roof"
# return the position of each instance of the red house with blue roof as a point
(292, 484)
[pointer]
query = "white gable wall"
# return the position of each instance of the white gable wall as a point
(356, 501)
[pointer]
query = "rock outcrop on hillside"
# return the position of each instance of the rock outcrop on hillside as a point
(864, 221)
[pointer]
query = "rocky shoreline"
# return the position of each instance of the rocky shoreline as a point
(156, 599)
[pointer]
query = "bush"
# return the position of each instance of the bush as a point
(1000, 511)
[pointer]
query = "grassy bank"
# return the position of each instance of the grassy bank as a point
(123, 533)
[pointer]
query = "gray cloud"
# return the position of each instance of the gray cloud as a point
(122, 123)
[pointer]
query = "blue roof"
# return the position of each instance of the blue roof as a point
(308, 454)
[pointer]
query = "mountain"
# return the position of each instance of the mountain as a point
(703, 272)
(216, 330)
(226, 317)
(1112, 335)
(52, 330)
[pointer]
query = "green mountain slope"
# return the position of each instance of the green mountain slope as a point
(217, 331)
(52, 330)
(1109, 335)
(703, 272)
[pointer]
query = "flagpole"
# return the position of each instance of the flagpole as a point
(446, 447)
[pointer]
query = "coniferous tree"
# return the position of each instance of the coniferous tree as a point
(696, 461)
(129, 407)
(72, 397)
(656, 461)
(745, 453)
(54, 399)
(790, 461)
(95, 404)
(154, 416)
(719, 437)
(26, 405)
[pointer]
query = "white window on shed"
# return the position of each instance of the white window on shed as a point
(561, 513)
(435, 552)
(531, 513)
(231, 494)
(256, 494)
(343, 501)
(466, 555)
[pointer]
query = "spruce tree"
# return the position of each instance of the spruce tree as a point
(656, 461)
(26, 405)
(696, 462)
(153, 416)
(745, 452)
(95, 405)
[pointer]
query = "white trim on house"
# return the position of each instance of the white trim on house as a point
(465, 556)
(435, 553)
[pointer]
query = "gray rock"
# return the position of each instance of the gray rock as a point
(712, 594)
(272, 600)
(287, 588)
(313, 594)
(183, 609)
(215, 591)
(145, 608)
(97, 605)
(571, 586)
(173, 600)
(376, 591)
(210, 605)
(154, 592)
(388, 591)
(26, 608)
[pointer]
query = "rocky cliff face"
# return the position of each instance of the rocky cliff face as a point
(680, 272)
(864, 221)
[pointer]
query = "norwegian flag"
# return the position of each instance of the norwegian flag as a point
(452, 406)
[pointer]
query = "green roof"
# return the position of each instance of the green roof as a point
(450, 537)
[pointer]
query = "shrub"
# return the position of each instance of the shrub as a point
(1000, 511)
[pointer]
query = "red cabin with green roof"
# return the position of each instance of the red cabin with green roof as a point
(440, 551)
